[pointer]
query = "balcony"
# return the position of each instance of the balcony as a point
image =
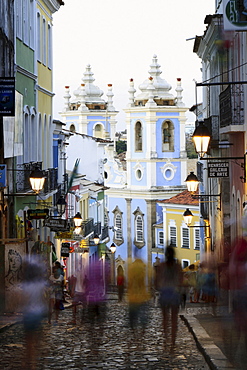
(232, 106)
(87, 227)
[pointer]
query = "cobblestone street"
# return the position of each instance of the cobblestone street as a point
(102, 345)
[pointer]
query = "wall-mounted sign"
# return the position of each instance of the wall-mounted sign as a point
(65, 247)
(37, 214)
(7, 96)
(56, 224)
(235, 15)
(3, 169)
(218, 169)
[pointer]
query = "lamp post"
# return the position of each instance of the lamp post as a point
(113, 272)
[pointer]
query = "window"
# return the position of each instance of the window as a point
(185, 238)
(38, 38)
(32, 25)
(139, 229)
(167, 134)
(139, 241)
(44, 41)
(25, 22)
(185, 263)
(138, 137)
(197, 239)
(18, 10)
(118, 226)
(173, 235)
(98, 131)
(161, 237)
(49, 47)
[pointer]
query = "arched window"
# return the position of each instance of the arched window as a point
(118, 226)
(98, 131)
(138, 136)
(139, 229)
(72, 128)
(139, 241)
(167, 135)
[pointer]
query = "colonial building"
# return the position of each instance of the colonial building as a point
(156, 166)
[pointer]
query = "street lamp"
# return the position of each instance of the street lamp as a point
(61, 205)
(188, 219)
(113, 248)
(192, 182)
(96, 239)
(188, 216)
(37, 180)
(201, 138)
(78, 220)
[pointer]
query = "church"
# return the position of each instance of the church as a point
(155, 169)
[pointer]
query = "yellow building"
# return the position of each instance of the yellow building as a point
(188, 241)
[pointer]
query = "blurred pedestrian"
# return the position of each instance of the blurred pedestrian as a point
(168, 282)
(56, 293)
(96, 291)
(34, 308)
(79, 294)
(138, 294)
(120, 286)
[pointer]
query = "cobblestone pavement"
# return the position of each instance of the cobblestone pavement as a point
(102, 345)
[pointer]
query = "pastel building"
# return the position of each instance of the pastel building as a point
(187, 241)
(156, 166)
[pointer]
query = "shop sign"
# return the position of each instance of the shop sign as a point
(65, 248)
(56, 224)
(77, 237)
(235, 15)
(7, 96)
(3, 175)
(37, 214)
(218, 169)
(63, 235)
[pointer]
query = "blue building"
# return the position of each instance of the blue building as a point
(156, 166)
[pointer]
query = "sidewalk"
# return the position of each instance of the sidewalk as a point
(207, 330)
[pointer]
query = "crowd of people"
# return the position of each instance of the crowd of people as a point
(43, 292)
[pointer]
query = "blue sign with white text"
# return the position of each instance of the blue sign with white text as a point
(3, 170)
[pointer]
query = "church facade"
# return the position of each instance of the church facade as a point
(156, 167)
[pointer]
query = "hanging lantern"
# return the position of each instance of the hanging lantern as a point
(201, 138)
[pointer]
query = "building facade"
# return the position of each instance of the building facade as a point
(222, 52)
(156, 166)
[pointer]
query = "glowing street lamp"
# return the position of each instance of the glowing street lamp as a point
(192, 182)
(37, 180)
(201, 138)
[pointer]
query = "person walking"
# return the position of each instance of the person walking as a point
(56, 293)
(120, 286)
(34, 308)
(168, 281)
(138, 294)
